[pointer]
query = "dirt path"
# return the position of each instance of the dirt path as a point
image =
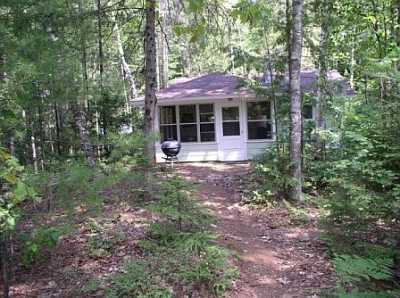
(276, 258)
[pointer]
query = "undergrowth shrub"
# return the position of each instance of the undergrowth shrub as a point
(72, 188)
(271, 178)
(139, 280)
(357, 269)
(41, 241)
(182, 256)
(73, 182)
(103, 237)
(128, 150)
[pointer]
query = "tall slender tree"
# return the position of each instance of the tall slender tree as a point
(325, 8)
(150, 98)
(163, 46)
(295, 98)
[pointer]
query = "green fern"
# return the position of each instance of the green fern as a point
(352, 269)
(385, 294)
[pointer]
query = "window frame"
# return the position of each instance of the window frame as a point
(268, 121)
(312, 112)
(238, 121)
(205, 122)
(172, 124)
(178, 115)
(197, 123)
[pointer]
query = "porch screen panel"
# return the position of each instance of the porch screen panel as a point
(230, 121)
(188, 123)
(168, 127)
(259, 125)
(207, 123)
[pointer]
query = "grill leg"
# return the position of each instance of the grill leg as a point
(170, 160)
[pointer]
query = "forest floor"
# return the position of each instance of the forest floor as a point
(276, 257)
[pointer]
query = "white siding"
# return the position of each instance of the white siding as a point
(215, 151)
(193, 152)
(257, 148)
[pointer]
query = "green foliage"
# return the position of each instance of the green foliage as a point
(138, 280)
(297, 215)
(212, 270)
(91, 286)
(361, 177)
(271, 177)
(13, 191)
(41, 240)
(360, 294)
(103, 238)
(353, 269)
(179, 208)
(128, 150)
(72, 184)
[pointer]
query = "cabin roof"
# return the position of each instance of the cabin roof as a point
(210, 85)
(309, 80)
(220, 85)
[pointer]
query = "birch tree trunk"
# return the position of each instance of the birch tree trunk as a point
(57, 127)
(295, 97)
(150, 99)
(322, 76)
(128, 75)
(81, 124)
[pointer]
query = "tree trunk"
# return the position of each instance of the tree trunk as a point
(163, 45)
(150, 99)
(295, 97)
(78, 112)
(57, 122)
(42, 134)
(2, 64)
(4, 261)
(33, 147)
(81, 124)
(322, 76)
(270, 72)
(288, 29)
(12, 146)
(103, 98)
(128, 75)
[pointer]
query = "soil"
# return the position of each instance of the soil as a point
(276, 258)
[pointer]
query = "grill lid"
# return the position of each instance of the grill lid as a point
(171, 147)
(170, 144)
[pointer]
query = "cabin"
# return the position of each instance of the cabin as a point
(217, 118)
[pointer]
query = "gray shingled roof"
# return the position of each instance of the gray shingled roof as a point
(215, 84)
(221, 85)
(308, 82)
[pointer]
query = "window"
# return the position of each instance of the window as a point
(259, 124)
(194, 123)
(308, 112)
(207, 125)
(168, 128)
(230, 121)
(188, 123)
